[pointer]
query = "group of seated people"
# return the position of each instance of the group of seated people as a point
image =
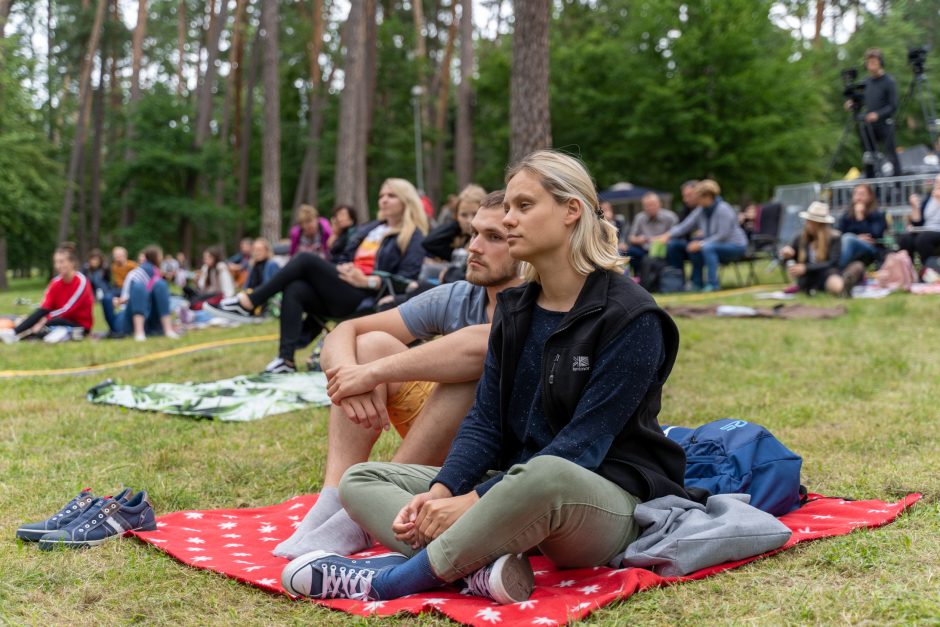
(68, 304)
(831, 254)
(398, 246)
(528, 416)
(708, 235)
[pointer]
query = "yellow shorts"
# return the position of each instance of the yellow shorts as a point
(407, 403)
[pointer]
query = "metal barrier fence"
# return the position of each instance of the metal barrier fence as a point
(893, 194)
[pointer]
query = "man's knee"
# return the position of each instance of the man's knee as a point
(377, 344)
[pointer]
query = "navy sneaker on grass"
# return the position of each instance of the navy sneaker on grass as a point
(31, 532)
(104, 519)
(323, 575)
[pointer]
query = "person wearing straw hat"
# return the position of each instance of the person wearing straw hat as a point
(812, 257)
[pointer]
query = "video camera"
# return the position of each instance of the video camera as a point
(917, 57)
(852, 88)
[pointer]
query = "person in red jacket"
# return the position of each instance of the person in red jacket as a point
(68, 302)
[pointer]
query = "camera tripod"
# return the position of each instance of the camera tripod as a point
(872, 158)
(919, 90)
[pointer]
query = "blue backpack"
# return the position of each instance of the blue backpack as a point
(735, 456)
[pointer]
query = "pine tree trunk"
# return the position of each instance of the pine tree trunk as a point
(95, 217)
(368, 104)
(180, 46)
(231, 94)
(84, 97)
(140, 32)
(254, 63)
(308, 184)
(530, 123)
(5, 7)
(271, 142)
(436, 172)
(204, 91)
(424, 98)
(463, 144)
(241, 26)
(820, 14)
(350, 186)
(115, 97)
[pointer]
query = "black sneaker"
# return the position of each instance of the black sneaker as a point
(280, 366)
(31, 532)
(507, 580)
(230, 309)
(325, 575)
(105, 519)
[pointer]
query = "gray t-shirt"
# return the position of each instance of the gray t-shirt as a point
(643, 225)
(444, 309)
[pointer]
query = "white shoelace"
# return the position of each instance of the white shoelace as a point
(478, 583)
(344, 585)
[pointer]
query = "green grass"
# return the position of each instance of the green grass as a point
(856, 397)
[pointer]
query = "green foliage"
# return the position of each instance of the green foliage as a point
(660, 91)
(29, 187)
(647, 91)
(164, 175)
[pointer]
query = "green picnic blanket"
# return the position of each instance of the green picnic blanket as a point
(239, 399)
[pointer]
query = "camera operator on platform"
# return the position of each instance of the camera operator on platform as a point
(881, 103)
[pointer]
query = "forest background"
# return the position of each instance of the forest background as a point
(192, 122)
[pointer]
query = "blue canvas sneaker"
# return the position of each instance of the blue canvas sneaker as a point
(325, 575)
(31, 532)
(104, 519)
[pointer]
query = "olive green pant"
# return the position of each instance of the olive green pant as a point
(574, 516)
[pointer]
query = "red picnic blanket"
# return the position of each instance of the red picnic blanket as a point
(238, 542)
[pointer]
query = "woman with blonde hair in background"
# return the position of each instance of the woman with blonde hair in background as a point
(319, 289)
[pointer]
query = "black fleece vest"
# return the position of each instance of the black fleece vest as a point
(641, 459)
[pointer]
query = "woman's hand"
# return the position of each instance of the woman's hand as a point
(787, 252)
(867, 238)
(352, 275)
(695, 246)
(796, 270)
(438, 515)
(404, 526)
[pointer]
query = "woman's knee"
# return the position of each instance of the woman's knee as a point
(352, 480)
(544, 478)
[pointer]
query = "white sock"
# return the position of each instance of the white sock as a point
(327, 504)
(338, 535)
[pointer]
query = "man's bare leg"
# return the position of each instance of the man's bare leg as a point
(426, 443)
(347, 444)
(436, 426)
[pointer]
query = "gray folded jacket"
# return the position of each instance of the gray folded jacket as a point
(681, 536)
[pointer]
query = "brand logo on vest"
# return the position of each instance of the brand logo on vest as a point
(731, 426)
(580, 363)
